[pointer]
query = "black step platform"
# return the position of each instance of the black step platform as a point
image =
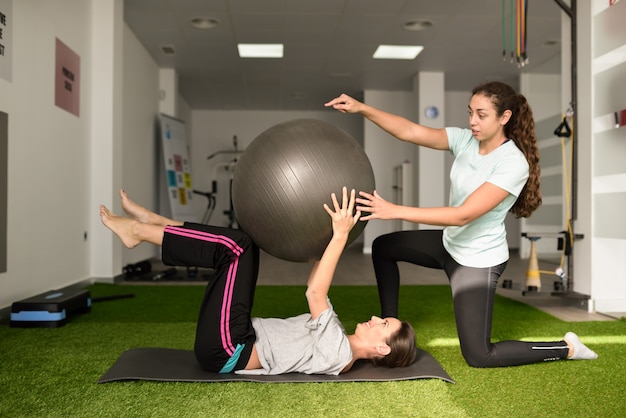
(50, 309)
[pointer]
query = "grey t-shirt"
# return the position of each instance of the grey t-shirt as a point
(301, 344)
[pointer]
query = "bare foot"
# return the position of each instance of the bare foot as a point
(121, 226)
(134, 210)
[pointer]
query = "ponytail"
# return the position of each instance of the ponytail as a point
(521, 129)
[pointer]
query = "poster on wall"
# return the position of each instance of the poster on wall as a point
(4, 171)
(176, 173)
(67, 79)
(6, 40)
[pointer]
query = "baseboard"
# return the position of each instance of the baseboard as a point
(606, 306)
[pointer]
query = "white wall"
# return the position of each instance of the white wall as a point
(602, 189)
(105, 131)
(61, 167)
(430, 164)
(139, 162)
(48, 153)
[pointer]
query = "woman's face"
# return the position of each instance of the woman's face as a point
(378, 329)
(484, 120)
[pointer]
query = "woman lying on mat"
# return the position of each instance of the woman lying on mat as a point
(496, 170)
(227, 338)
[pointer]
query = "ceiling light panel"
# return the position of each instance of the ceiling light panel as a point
(397, 52)
(260, 50)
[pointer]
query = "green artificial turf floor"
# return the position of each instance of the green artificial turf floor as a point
(53, 372)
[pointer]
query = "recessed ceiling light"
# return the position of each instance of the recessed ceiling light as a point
(397, 52)
(168, 50)
(260, 50)
(417, 25)
(201, 22)
(551, 42)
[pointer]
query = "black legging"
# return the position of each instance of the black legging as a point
(473, 291)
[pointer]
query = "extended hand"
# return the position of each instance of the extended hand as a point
(345, 104)
(343, 217)
(376, 206)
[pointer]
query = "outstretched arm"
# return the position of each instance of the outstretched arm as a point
(481, 201)
(321, 277)
(401, 128)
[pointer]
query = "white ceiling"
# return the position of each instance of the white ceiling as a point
(329, 46)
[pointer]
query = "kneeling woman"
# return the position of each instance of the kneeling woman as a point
(227, 338)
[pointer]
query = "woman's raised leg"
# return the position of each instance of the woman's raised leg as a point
(142, 214)
(131, 231)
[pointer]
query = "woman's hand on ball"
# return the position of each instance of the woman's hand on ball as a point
(343, 216)
(375, 206)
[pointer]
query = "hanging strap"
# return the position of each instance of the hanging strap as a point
(563, 130)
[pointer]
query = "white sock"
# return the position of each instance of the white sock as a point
(581, 351)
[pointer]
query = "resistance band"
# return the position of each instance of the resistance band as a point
(563, 131)
(518, 25)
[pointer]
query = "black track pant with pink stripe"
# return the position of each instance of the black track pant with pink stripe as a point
(224, 327)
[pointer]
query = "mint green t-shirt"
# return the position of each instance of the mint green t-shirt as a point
(482, 242)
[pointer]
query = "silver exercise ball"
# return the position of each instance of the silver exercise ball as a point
(284, 177)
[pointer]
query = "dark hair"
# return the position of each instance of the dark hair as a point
(521, 129)
(403, 348)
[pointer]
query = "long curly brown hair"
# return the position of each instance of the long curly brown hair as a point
(521, 129)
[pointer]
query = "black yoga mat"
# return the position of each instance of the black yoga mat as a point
(170, 365)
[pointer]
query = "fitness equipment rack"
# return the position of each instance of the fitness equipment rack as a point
(570, 236)
(564, 284)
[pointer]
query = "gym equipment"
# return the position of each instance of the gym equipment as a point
(518, 12)
(211, 202)
(565, 284)
(172, 365)
(284, 177)
(533, 275)
(50, 309)
(137, 269)
(113, 297)
(228, 167)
